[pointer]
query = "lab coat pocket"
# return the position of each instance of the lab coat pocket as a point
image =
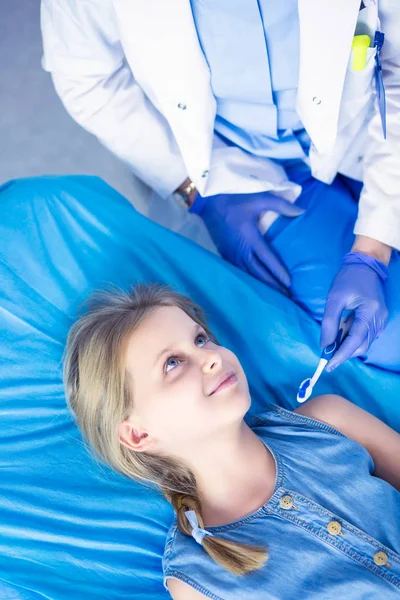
(370, 62)
(358, 88)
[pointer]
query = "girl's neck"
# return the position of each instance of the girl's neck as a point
(234, 479)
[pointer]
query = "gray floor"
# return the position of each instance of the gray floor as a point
(37, 136)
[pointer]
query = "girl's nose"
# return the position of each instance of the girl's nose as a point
(212, 361)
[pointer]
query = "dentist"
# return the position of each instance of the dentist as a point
(212, 100)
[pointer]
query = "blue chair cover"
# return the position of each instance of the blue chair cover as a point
(69, 527)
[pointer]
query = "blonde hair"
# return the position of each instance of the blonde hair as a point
(99, 396)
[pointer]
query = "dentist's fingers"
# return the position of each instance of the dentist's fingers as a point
(353, 344)
(271, 262)
(279, 205)
(330, 322)
(258, 270)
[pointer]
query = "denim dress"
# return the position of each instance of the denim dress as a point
(332, 529)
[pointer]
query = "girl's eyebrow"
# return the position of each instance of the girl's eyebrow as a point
(169, 349)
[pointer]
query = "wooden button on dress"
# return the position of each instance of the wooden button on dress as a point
(381, 558)
(286, 502)
(334, 528)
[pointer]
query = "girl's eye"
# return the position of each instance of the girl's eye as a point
(205, 338)
(171, 363)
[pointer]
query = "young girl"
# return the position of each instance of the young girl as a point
(284, 505)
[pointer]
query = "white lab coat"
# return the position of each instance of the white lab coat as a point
(132, 72)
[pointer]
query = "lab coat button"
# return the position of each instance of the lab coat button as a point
(182, 106)
(316, 100)
(381, 558)
(286, 502)
(334, 528)
(205, 173)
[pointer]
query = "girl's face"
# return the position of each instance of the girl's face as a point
(173, 369)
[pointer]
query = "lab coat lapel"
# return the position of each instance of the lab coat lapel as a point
(165, 36)
(161, 44)
(326, 32)
(162, 48)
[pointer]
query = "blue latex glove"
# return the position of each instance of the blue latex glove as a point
(232, 221)
(358, 286)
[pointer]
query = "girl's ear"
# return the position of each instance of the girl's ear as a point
(134, 437)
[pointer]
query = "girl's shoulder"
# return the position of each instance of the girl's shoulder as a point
(285, 421)
(181, 559)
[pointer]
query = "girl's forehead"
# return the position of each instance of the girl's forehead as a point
(163, 320)
(163, 327)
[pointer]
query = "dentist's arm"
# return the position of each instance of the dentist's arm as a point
(84, 55)
(359, 284)
(379, 209)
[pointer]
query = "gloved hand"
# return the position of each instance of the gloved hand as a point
(232, 221)
(358, 285)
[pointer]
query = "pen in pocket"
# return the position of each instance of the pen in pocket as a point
(360, 45)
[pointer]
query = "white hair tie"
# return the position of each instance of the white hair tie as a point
(197, 532)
